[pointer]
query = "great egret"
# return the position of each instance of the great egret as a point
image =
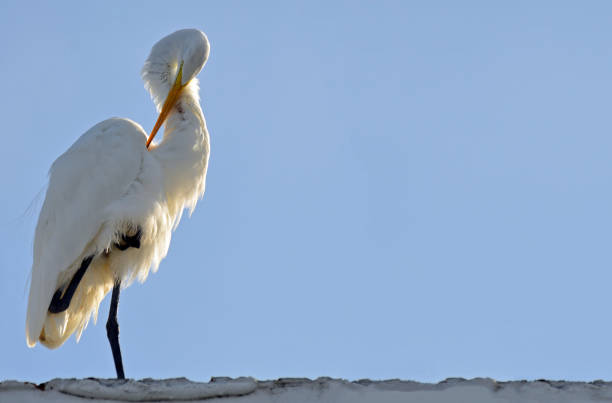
(114, 198)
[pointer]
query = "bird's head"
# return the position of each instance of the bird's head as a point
(173, 64)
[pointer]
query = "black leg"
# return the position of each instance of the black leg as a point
(130, 241)
(112, 331)
(60, 302)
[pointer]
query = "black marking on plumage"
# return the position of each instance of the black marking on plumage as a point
(180, 109)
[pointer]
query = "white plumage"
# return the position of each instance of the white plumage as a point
(108, 184)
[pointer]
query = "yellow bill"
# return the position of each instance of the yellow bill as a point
(173, 95)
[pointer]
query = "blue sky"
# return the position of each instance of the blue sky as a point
(396, 189)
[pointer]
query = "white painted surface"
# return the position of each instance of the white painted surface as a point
(248, 390)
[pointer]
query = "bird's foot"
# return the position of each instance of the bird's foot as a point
(61, 299)
(130, 241)
(59, 304)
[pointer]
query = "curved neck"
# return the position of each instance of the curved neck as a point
(185, 122)
(183, 151)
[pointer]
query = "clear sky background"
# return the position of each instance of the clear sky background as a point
(397, 189)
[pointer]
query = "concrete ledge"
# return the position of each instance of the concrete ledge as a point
(249, 390)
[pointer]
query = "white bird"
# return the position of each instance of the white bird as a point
(114, 198)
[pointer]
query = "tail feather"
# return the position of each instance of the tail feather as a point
(52, 330)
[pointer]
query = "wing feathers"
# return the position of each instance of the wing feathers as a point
(84, 182)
